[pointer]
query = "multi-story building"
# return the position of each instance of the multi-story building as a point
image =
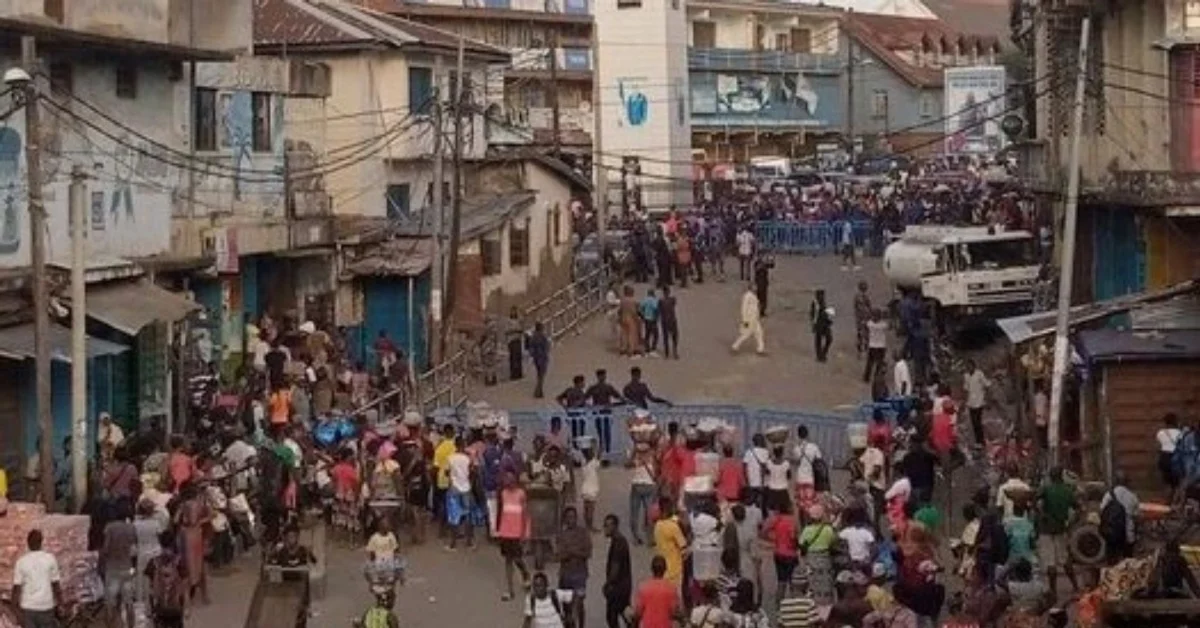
(765, 77)
(897, 68)
(114, 80)
(1141, 139)
(645, 118)
(550, 75)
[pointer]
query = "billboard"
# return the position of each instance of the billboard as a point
(796, 97)
(975, 106)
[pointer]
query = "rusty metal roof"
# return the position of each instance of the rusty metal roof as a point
(884, 35)
(980, 17)
(335, 24)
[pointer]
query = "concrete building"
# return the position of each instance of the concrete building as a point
(1138, 228)
(645, 111)
(551, 47)
(765, 78)
(115, 84)
(897, 69)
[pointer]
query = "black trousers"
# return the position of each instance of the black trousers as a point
(874, 359)
(614, 609)
(650, 335)
(822, 338)
(515, 359)
(977, 424)
(744, 267)
(670, 337)
(761, 292)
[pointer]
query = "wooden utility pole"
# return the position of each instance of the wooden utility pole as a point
(456, 195)
(37, 254)
(439, 219)
(555, 124)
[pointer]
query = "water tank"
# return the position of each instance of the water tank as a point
(906, 261)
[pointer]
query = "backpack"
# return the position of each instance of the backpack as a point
(1185, 454)
(820, 475)
(167, 586)
(377, 618)
(1113, 520)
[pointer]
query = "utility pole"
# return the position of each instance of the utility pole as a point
(555, 124)
(439, 216)
(77, 198)
(37, 253)
(601, 182)
(456, 196)
(850, 96)
(1067, 265)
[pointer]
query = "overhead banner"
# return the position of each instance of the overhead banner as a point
(975, 106)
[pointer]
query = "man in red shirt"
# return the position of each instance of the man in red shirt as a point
(656, 603)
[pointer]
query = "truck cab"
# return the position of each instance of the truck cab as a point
(966, 273)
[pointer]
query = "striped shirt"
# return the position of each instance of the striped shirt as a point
(799, 612)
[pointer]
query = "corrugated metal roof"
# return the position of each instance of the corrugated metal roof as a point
(982, 17)
(1114, 345)
(1179, 313)
(130, 306)
(1027, 327)
(883, 35)
(394, 258)
(18, 343)
(480, 215)
(335, 23)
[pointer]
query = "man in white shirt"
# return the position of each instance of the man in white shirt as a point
(459, 467)
(859, 542)
(745, 252)
(1131, 505)
(901, 377)
(755, 460)
(546, 608)
(36, 584)
(877, 329)
(803, 456)
(976, 384)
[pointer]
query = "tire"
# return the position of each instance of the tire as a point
(1087, 545)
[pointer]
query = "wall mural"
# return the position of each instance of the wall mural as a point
(797, 96)
(635, 106)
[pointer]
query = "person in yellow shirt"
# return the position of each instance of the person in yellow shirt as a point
(441, 467)
(669, 540)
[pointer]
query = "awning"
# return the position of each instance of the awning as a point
(18, 343)
(129, 306)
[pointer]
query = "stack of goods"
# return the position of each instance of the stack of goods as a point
(480, 415)
(642, 429)
(717, 432)
(777, 435)
(65, 536)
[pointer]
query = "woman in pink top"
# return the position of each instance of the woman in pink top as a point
(512, 528)
(731, 476)
(180, 466)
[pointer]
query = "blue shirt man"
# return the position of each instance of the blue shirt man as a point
(648, 308)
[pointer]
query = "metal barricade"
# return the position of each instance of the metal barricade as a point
(813, 238)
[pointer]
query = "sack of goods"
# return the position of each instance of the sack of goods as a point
(856, 433)
(643, 430)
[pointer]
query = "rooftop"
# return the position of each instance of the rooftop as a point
(331, 24)
(885, 35)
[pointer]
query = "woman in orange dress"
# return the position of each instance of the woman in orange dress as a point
(193, 518)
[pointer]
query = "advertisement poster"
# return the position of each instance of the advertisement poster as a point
(975, 106)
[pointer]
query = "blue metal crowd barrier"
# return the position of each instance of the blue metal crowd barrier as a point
(811, 238)
(826, 430)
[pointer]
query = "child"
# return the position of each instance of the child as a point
(589, 486)
(383, 569)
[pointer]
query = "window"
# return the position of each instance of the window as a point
(879, 104)
(704, 35)
(801, 40)
(556, 225)
(928, 105)
(782, 42)
(452, 86)
(760, 34)
(445, 193)
(397, 200)
(1191, 14)
(62, 77)
(629, 4)
(420, 90)
(577, 7)
(577, 59)
(126, 80)
(490, 256)
(260, 122)
(204, 119)
(224, 103)
(518, 243)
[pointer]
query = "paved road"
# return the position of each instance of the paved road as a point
(463, 588)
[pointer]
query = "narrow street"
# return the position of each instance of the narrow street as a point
(463, 588)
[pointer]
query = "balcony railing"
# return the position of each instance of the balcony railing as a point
(741, 60)
(1153, 188)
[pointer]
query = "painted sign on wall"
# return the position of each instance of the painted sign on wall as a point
(635, 104)
(797, 96)
(975, 104)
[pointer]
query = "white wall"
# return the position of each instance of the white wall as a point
(130, 197)
(643, 55)
(369, 97)
(552, 192)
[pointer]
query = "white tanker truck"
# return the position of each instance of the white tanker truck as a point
(965, 274)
